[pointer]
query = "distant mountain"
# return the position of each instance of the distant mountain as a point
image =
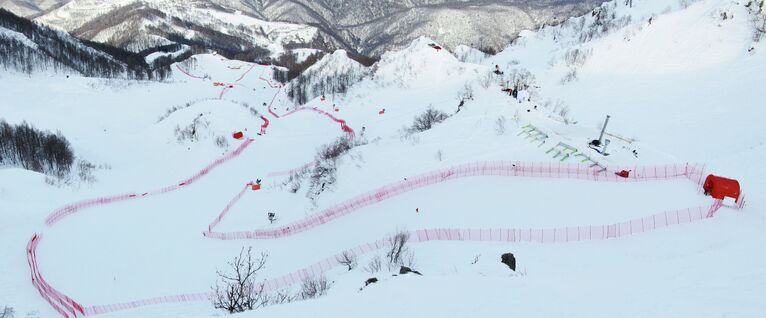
(28, 47)
(366, 27)
(31, 8)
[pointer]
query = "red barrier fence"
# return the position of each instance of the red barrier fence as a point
(497, 168)
(265, 125)
(187, 73)
(69, 209)
(60, 302)
(342, 122)
(291, 171)
(69, 308)
(543, 236)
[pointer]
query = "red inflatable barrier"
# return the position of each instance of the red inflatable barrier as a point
(720, 188)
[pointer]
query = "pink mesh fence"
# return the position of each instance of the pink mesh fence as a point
(496, 168)
(60, 302)
(69, 209)
(187, 72)
(542, 236)
(69, 308)
(291, 171)
(343, 126)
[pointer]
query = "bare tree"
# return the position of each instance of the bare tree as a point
(237, 289)
(398, 252)
(375, 265)
(314, 287)
(427, 120)
(347, 259)
(281, 297)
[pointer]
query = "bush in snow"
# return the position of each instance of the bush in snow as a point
(757, 10)
(466, 92)
(487, 79)
(7, 312)
(375, 265)
(577, 57)
(237, 289)
(324, 173)
(222, 142)
(347, 259)
(569, 77)
(427, 120)
(559, 110)
(85, 171)
(32, 149)
(604, 20)
(190, 132)
(397, 252)
(500, 124)
(520, 79)
(295, 180)
(314, 287)
(439, 155)
(281, 297)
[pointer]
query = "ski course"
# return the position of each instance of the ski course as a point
(68, 307)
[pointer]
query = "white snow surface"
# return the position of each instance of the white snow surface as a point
(681, 89)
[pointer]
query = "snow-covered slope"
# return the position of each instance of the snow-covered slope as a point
(31, 8)
(331, 75)
(367, 27)
(138, 25)
(674, 97)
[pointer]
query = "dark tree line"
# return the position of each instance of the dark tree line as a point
(307, 86)
(62, 51)
(321, 81)
(32, 149)
(294, 68)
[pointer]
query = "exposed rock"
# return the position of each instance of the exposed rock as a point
(510, 260)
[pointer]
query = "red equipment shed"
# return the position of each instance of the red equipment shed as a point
(720, 187)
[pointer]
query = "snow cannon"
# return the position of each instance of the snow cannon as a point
(382, 111)
(238, 135)
(720, 188)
